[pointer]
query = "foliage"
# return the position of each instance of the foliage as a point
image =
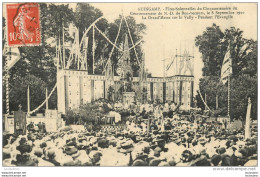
(18, 92)
(213, 45)
(87, 112)
(39, 60)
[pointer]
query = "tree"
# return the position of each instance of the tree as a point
(18, 92)
(39, 60)
(241, 88)
(211, 88)
(137, 31)
(85, 15)
(213, 45)
(212, 50)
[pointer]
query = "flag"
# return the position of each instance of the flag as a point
(247, 126)
(13, 56)
(226, 69)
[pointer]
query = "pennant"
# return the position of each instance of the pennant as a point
(13, 57)
(226, 69)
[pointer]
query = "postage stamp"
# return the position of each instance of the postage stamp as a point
(23, 24)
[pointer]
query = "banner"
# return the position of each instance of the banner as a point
(226, 69)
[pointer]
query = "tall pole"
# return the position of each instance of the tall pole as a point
(176, 57)
(216, 101)
(247, 126)
(229, 95)
(47, 104)
(86, 53)
(28, 99)
(93, 50)
(230, 70)
(7, 83)
(63, 45)
(206, 100)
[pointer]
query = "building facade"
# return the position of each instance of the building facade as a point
(77, 87)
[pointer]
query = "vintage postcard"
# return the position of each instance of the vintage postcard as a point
(130, 84)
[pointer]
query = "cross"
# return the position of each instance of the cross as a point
(20, 107)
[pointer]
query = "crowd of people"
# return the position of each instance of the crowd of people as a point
(151, 136)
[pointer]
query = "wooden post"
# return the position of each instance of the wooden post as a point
(206, 101)
(229, 96)
(93, 50)
(247, 126)
(63, 43)
(7, 82)
(47, 104)
(148, 126)
(28, 100)
(216, 101)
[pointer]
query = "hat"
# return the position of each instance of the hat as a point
(43, 145)
(38, 152)
(69, 150)
(158, 139)
(177, 141)
(201, 161)
(215, 159)
(92, 154)
(202, 141)
(154, 162)
(25, 160)
(103, 143)
(221, 150)
(126, 147)
(141, 156)
(172, 162)
(6, 154)
(139, 162)
(51, 154)
(22, 141)
(163, 164)
(158, 149)
(225, 160)
(24, 148)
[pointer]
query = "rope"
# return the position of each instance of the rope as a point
(87, 30)
(110, 55)
(116, 38)
(114, 46)
(132, 41)
(45, 100)
(202, 98)
(108, 39)
(139, 42)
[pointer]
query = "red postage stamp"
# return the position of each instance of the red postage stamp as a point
(23, 24)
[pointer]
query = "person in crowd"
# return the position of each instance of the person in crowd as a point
(168, 141)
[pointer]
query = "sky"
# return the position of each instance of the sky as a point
(163, 37)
